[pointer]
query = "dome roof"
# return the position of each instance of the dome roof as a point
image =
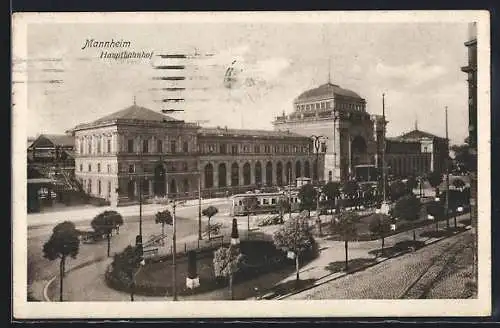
(326, 90)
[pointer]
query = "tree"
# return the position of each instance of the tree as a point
(380, 225)
(250, 204)
(209, 212)
(465, 161)
(434, 179)
(436, 209)
(411, 183)
(350, 188)
(397, 189)
(227, 262)
(118, 220)
(164, 217)
(127, 264)
(104, 223)
(332, 191)
(408, 208)
(346, 227)
(307, 196)
(63, 242)
(283, 206)
(458, 184)
(295, 237)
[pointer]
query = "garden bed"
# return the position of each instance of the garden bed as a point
(263, 265)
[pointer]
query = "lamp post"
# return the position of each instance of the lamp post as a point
(174, 252)
(318, 141)
(460, 209)
(199, 206)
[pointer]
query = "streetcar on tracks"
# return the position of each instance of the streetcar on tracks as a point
(267, 202)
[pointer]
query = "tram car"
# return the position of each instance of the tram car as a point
(266, 202)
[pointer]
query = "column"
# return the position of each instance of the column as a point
(252, 173)
(228, 174)
(151, 187)
(216, 174)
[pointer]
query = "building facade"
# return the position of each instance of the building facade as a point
(416, 153)
(137, 152)
(351, 136)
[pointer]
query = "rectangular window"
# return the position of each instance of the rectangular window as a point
(287, 149)
(223, 148)
(145, 146)
(173, 146)
(130, 145)
(234, 149)
(109, 146)
(109, 168)
(185, 147)
(81, 167)
(267, 149)
(99, 187)
(273, 200)
(90, 168)
(131, 168)
(159, 146)
(211, 148)
(265, 201)
(99, 142)
(256, 149)
(98, 167)
(109, 189)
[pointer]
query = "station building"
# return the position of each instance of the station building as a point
(137, 152)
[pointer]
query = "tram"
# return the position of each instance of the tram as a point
(266, 202)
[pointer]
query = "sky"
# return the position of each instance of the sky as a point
(417, 66)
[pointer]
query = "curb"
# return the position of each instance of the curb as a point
(46, 297)
(343, 274)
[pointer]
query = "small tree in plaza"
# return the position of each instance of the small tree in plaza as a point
(250, 204)
(294, 237)
(104, 223)
(380, 225)
(408, 208)
(209, 212)
(332, 191)
(227, 260)
(126, 266)
(435, 180)
(63, 242)
(346, 227)
(459, 184)
(163, 217)
(307, 196)
(283, 206)
(350, 189)
(397, 189)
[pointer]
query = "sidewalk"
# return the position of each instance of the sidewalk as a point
(87, 213)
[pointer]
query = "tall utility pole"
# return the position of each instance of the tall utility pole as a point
(174, 253)
(383, 151)
(199, 206)
(446, 163)
(141, 178)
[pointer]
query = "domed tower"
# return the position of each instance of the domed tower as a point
(350, 136)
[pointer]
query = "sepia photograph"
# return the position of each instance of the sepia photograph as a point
(258, 164)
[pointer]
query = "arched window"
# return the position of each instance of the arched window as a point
(222, 175)
(279, 174)
(258, 173)
(307, 169)
(269, 173)
(288, 172)
(235, 174)
(99, 187)
(185, 147)
(246, 174)
(298, 169)
(186, 186)
(209, 176)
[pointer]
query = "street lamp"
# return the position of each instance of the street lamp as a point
(174, 252)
